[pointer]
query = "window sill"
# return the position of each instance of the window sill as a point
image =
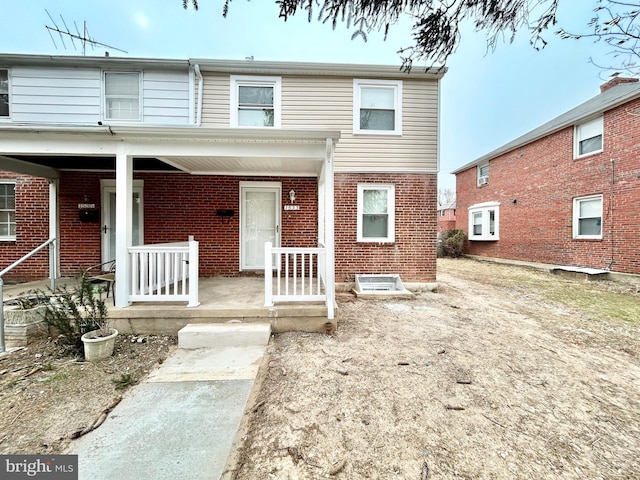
(379, 133)
(492, 239)
(588, 239)
(587, 155)
(7, 239)
(376, 242)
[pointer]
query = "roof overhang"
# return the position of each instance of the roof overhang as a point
(194, 150)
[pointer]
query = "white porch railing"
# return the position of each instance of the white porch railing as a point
(165, 272)
(299, 274)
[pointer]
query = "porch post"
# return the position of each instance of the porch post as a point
(124, 195)
(54, 248)
(329, 224)
(268, 275)
(194, 271)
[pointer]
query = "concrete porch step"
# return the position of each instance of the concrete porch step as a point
(223, 335)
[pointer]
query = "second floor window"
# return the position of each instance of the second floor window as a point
(4, 93)
(588, 137)
(121, 96)
(377, 107)
(483, 174)
(7, 211)
(255, 102)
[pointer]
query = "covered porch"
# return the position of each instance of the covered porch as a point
(246, 153)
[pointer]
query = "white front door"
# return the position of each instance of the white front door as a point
(259, 221)
(109, 218)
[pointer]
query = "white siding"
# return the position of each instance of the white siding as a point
(69, 95)
(55, 95)
(165, 97)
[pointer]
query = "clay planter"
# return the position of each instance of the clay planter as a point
(98, 344)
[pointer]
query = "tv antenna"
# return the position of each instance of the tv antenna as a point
(84, 38)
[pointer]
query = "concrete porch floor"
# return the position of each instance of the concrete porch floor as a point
(222, 299)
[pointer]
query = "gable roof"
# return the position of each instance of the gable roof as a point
(611, 98)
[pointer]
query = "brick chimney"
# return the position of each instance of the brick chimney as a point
(616, 81)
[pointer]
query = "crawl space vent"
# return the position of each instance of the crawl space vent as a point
(380, 285)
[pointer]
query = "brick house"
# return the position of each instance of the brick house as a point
(566, 193)
(446, 216)
(233, 154)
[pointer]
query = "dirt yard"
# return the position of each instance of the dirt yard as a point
(506, 372)
(46, 399)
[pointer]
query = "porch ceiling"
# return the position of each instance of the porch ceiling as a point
(201, 151)
(244, 166)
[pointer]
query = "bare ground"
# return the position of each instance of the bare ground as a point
(506, 372)
(46, 398)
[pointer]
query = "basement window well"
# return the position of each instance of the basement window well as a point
(389, 285)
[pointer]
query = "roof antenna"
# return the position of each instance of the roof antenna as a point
(83, 37)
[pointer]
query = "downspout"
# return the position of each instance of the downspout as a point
(612, 196)
(196, 69)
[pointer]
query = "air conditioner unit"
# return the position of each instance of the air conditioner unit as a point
(483, 180)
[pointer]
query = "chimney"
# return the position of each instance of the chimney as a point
(616, 81)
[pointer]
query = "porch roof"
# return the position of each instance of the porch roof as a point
(196, 150)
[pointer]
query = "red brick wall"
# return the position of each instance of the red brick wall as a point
(413, 255)
(178, 205)
(544, 178)
(32, 229)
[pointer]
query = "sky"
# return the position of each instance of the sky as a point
(487, 97)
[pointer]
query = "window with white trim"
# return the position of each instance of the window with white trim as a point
(7, 210)
(588, 137)
(484, 221)
(587, 217)
(376, 212)
(255, 101)
(483, 174)
(122, 96)
(4, 93)
(377, 107)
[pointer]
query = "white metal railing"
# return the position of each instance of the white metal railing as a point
(51, 243)
(299, 274)
(165, 272)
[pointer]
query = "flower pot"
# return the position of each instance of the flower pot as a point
(98, 344)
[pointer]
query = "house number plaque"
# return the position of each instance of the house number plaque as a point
(292, 207)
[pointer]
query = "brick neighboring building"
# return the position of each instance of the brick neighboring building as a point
(446, 216)
(566, 193)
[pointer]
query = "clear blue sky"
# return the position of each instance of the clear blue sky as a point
(488, 98)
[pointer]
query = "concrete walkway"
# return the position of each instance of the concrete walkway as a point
(182, 420)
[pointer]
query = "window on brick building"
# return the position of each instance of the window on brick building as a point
(484, 221)
(376, 213)
(7, 211)
(588, 137)
(587, 217)
(483, 174)
(255, 101)
(377, 107)
(122, 96)
(4, 93)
